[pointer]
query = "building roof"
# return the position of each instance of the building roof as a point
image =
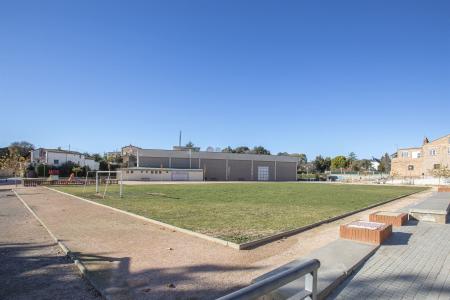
(410, 148)
(66, 152)
(60, 151)
(213, 155)
(425, 142)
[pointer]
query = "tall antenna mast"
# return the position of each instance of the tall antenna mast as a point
(179, 140)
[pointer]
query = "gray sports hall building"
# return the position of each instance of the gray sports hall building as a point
(217, 166)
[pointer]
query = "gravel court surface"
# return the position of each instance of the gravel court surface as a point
(32, 264)
(132, 258)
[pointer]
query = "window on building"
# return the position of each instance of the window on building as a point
(56, 161)
(437, 166)
(432, 152)
(160, 172)
(419, 155)
(131, 172)
(448, 150)
(405, 154)
(410, 168)
(151, 171)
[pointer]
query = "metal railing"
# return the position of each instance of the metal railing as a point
(77, 181)
(307, 269)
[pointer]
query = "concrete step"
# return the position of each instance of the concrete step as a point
(337, 260)
(433, 209)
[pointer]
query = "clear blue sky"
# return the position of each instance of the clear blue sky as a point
(318, 77)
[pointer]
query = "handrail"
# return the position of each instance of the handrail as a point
(265, 286)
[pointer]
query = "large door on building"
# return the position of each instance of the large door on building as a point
(263, 173)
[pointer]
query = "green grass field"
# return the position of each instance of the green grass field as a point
(242, 212)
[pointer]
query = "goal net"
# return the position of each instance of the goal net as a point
(108, 182)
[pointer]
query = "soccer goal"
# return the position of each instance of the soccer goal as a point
(107, 179)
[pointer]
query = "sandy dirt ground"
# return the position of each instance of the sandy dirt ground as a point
(131, 258)
(32, 265)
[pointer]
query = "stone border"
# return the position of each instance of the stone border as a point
(284, 234)
(172, 227)
(243, 246)
(81, 267)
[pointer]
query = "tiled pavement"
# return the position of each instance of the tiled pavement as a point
(413, 264)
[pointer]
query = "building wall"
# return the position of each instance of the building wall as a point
(217, 166)
(153, 162)
(422, 159)
(441, 148)
(239, 170)
(184, 163)
(214, 169)
(286, 171)
(58, 158)
(157, 174)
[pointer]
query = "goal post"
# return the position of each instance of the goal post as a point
(86, 180)
(119, 178)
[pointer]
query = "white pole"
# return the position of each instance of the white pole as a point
(96, 182)
(85, 182)
(121, 183)
(137, 160)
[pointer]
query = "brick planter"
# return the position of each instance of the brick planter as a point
(443, 188)
(386, 217)
(367, 232)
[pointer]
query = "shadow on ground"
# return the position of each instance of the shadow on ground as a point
(29, 272)
(32, 271)
(398, 238)
(113, 276)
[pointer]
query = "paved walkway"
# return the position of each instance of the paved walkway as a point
(131, 258)
(32, 265)
(413, 264)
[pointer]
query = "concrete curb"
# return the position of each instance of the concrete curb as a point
(172, 227)
(243, 246)
(81, 267)
(281, 235)
(328, 290)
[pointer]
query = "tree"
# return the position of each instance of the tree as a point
(97, 157)
(442, 171)
(260, 150)
(322, 164)
(283, 154)
(385, 164)
(242, 149)
(302, 159)
(76, 170)
(352, 160)
(103, 165)
(24, 148)
(339, 162)
(13, 162)
(190, 144)
(351, 157)
(228, 150)
(365, 164)
(66, 169)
